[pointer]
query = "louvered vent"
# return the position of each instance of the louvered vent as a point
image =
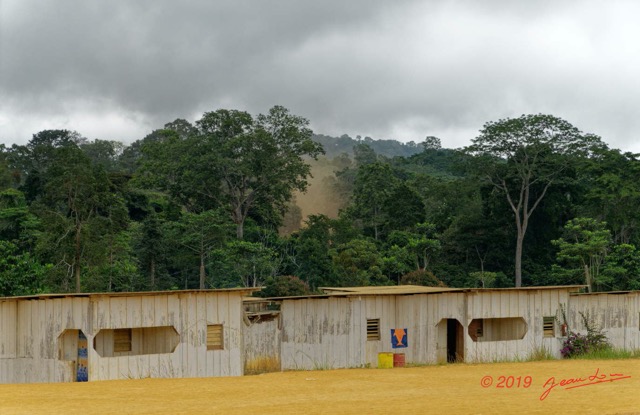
(373, 329)
(122, 340)
(548, 326)
(215, 339)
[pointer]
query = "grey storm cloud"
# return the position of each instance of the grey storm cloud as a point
(401, 69)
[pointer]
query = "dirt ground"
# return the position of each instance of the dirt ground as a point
(582, 387)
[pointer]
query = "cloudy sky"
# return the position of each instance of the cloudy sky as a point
(397, 69)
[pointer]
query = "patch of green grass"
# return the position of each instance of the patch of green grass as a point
(540, 353)
(609, 353)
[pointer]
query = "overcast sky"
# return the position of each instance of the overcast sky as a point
(400, 70)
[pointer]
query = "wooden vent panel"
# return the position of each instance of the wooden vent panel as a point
(215, 337)
(548, 326)
(122, 340)
(373, 329)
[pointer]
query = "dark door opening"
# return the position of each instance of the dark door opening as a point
(455, 341)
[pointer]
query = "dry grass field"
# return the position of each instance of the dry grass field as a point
(581, 387)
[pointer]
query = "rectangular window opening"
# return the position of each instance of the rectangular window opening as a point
(497, 329)
(373, 329)
(135, 341)
(548, 326)
(122, 340)
(215, 337)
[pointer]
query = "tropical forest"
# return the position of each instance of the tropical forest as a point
(258, 200)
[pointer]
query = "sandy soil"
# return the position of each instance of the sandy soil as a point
(610, 387)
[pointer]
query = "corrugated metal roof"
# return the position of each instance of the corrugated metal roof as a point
(127, 294)
(387, 290)
(609, 292)
(413, 289)
(542, 287)
(418, 289)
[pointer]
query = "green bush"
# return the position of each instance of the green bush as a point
(578, 344)
(284, 286)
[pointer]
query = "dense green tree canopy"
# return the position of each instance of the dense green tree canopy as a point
(202, 205)
(522, 158)
(583, 248)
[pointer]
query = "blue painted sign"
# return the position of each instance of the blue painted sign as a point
(399, 338)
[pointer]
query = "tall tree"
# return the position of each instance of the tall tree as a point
(243, 263)
(613, 192)
(75, 199)
(309, 254)
(358, 262)
(200, 234)
(522, 157)
(403, 208)
(374, 185)
(260, 159)
(103, 153)
(183, 127)
(150, 242)
(583, 249)
(30, 163)
(621, 269)
(16, 221)
(5, 172)
(20, 272)
(183, 168)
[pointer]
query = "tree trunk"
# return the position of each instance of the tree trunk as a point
(522, 212)
(152, 272)
(587, 275)
(76, 272)
(481, 265)
(519, 242)
(202, 273)
(253, 283)
(240, 230)
(110, 265)
(238, 217)
(78, 252)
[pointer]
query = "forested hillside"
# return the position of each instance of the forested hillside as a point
(335, 146)
(241, 200)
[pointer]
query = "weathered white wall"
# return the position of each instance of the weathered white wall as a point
(34, 331)
(189, 314)
(34, 328)
(8, 329)
(312, 333)
(319, 333)
(36, 371)
(262, 342)
(617, 314)
(532, 306)
(330, 332)
(421, 314)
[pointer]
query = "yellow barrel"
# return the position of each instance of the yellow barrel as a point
(385, 360)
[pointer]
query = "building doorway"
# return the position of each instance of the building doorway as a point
(73, 347)
(455, 341)
(450, 341)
